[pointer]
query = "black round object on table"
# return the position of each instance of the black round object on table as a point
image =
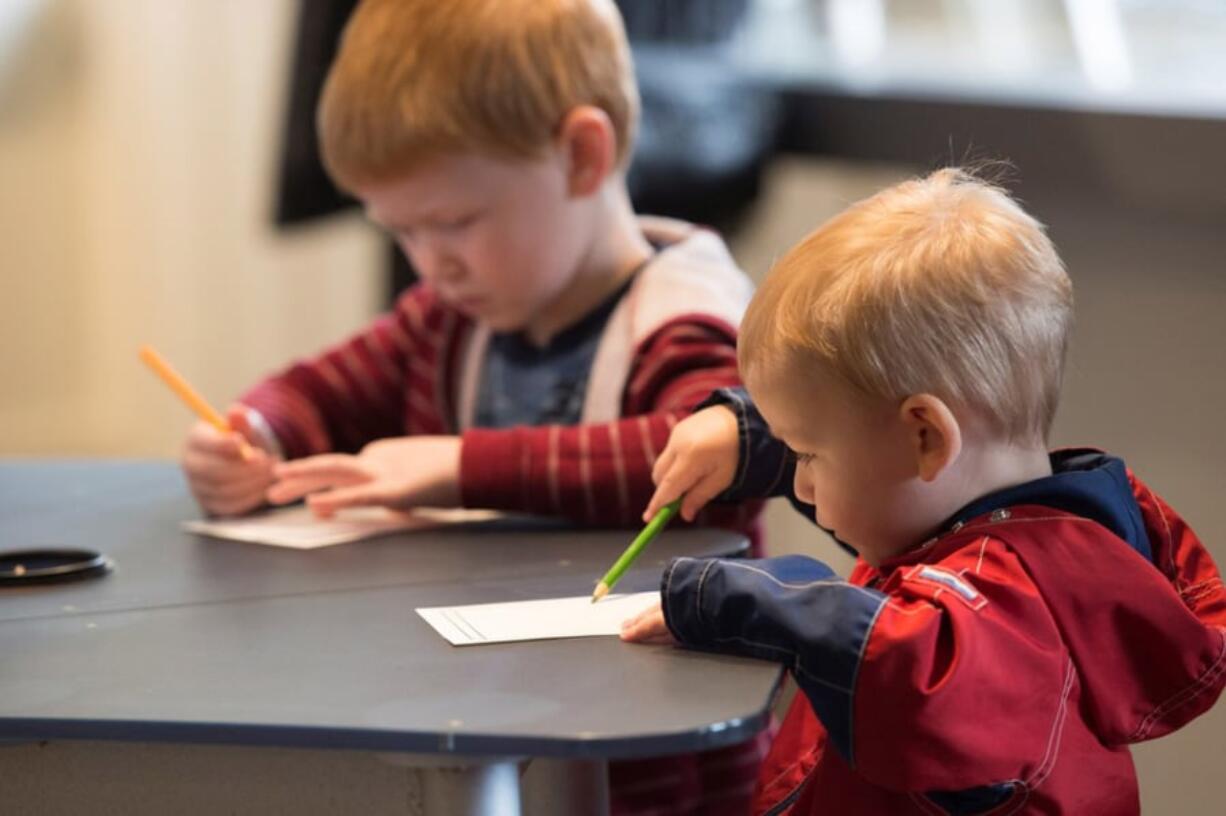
(51, 566)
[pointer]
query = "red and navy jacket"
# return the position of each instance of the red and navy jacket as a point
(1003, 666)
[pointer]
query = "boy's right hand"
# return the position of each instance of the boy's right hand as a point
(698, 462)
(222, 481)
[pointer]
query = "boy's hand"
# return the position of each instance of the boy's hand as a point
(400, 473)
(647, 626)
(222, 481)
(699, 461)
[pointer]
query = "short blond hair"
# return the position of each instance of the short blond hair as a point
(941, 285)
(417, 78)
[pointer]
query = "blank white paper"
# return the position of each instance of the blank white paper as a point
(536, 620)
(297, 527)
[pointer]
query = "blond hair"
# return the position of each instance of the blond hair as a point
(941, 285)
(416, 78)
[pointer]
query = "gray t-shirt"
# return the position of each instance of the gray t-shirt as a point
(523, 384)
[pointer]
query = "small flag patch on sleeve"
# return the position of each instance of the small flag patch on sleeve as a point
(951, 581)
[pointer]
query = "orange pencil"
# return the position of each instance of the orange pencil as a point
(191, 398)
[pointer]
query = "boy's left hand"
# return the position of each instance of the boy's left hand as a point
(399, 473)
(648, 627)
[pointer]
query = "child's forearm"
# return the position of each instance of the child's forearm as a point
(792, 610)
(356, 391)
(592, 473)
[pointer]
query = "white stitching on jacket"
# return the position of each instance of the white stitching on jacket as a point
(819, 582)
(1184, 695)
(702, 583)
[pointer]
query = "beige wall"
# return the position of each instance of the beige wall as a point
(138, 141)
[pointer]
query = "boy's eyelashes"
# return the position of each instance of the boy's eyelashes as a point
(456, 223)
(800, 458)
(447, 224)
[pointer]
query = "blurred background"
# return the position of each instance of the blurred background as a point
(158, 184)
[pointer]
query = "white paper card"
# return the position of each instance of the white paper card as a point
(536, 620)
(297, 527)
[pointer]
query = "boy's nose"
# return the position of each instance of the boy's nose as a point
(448, 269)
(434, 263)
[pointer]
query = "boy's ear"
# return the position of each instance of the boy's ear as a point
(589, 145)
(934, 434)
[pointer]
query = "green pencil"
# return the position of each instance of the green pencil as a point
(640, 543)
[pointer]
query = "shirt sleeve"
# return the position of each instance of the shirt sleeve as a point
(600, 473)
(950, 676)
(352, 393)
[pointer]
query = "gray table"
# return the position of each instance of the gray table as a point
(199, 641)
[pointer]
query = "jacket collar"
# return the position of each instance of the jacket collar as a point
(1085, 482)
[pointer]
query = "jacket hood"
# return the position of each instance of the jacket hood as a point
(1137, 596)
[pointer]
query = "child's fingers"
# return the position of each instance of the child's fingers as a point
(697, 497)
(239, 422)
(642, 619)
(660, 635)
(647, 627)
(297, 478)
(230, 498)
(247, 485)
(653, 506)
(675, 483)
(663, 463)
(327, 503)
(236, 417)
(632, 628)
(207, 440)
(291, 490)
(225, 457)
(210, 471)
(294, 488)
(671, 481)
(332, 465)
(658, 500)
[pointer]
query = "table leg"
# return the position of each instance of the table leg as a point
(475, 790)
(561, 787)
